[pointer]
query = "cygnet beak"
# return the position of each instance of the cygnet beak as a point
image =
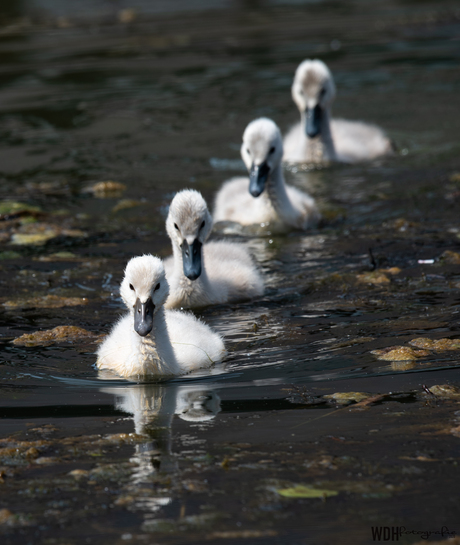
(257, 177)
(313, 118)
(191, 259)
(143, 317)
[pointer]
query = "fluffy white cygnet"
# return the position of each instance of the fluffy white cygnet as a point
(202, 274)
(316, 138)
(264, 197)
(152, 341)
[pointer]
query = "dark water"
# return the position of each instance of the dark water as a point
(156, 96)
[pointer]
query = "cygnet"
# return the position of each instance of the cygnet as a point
(317, 138)
(152, 341)
(264, 197)
(201, 273)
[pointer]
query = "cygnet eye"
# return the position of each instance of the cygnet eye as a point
(203, 223)
(131, 287)
(247, 149)
(272, 150)
(322, 92)
(175, 225)
(157, 287)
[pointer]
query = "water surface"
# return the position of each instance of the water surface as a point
(156, 98)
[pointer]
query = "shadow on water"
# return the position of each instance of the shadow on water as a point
(342, 377)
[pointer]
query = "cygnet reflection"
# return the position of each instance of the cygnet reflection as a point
(153, 407)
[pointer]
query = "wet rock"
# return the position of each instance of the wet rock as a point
(105, 190)
(345, 398)
(63, 333)
(438, 345)
(445, 391)
(399, 353)
(45, 301)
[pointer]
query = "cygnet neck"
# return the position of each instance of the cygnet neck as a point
(277, 196)
(320, 148)
(155, 349)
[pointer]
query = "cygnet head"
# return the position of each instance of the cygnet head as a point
(262, 151)
(144, 289)
(188, 225)
(313, 91)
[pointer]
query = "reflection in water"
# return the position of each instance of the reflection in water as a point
(153, 407)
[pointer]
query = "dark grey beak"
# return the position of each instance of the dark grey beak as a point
(313, 121)
(143, 317)
(257, 177)
(191, 259)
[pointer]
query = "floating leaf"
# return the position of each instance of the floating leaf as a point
(46, 301)
(58, 256)
(451, 258)
(127, 15)
(36, 239)
(125, 204)
(79, 473)
(63, 333)
(302, 491)
(103, 190)
(438, 345)
(401, 224)
(13, 207)
(374, 277)
(399, 353)
(9, 255)
(5, 516)
(345, 398)
(446, 391)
